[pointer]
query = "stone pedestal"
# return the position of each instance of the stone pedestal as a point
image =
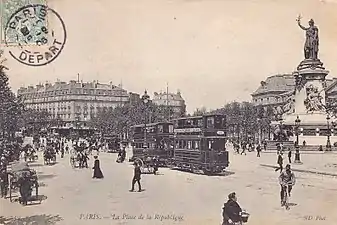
(309, 103)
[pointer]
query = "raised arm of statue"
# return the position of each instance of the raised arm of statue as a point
(301, 26)
(299, 23)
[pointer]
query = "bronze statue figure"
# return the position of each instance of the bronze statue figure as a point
(312, 41)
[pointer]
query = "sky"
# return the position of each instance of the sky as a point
(213, 51)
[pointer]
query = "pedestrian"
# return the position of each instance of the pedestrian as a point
(244, 149)
(280, 162)
(265, 145)
(278, 149)
(136, 177)
(155, 165)
(231, 211)
(289, 155)
(258, 149)
(97, 170)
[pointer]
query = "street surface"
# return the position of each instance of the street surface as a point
(71, 195)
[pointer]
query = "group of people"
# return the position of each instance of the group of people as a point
(248, 146)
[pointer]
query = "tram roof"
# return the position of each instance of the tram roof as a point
(196, 117)
(152, 124)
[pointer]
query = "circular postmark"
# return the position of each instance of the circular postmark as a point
(35, 34)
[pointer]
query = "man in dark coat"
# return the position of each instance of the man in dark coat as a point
(97, 170)
(231, 211)
(136, 177)
(289, 155)
(258, 149)
(280, 162)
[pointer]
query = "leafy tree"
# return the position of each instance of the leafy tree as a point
(120, 119)
(10, 107)
(34, 120)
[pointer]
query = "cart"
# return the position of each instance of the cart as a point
(49, 157)
(20, 174)
(74, 161)
(147, 166)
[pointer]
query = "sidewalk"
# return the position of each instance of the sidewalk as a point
(321, 163)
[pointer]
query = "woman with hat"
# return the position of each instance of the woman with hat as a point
(97, 170)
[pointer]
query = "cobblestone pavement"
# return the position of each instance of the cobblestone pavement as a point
(72, 197)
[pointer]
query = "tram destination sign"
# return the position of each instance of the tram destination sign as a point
(187, 130)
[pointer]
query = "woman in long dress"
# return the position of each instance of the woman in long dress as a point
(97, 170)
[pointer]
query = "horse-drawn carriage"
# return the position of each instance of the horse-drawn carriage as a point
(23, 179)
(75, 160)
(147, 166)
(49, 157)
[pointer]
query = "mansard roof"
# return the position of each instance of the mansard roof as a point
(284, 84)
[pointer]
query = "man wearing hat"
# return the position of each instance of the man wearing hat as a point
(231, 211)
(136, 177)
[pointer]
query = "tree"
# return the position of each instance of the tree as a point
(120, 119)
(10, 107)
(34, 120)
(200, 111)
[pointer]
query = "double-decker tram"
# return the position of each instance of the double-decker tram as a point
(153, 140)
(200, 144)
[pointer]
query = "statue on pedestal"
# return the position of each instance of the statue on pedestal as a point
(312, 40)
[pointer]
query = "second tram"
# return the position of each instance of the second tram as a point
(200, 144)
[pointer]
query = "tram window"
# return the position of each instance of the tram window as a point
(170, 128)
(189, 145)
(177, 144)
(210, 144)
(184, 144)
(161, 128)
(196, 144)
(210, 122)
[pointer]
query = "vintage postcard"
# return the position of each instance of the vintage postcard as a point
(163, 112)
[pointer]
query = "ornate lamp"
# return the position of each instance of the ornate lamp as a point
(145, 99)
(297, 153)
(328, 143)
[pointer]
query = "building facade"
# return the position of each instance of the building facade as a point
(173, 100)
(275, 91)
(74, 101)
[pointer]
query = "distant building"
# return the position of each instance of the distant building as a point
(276, 90)
(74, 101)
(173, 100)
(134, 97)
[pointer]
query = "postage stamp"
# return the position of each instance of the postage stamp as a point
(29, 39)
(30, 27)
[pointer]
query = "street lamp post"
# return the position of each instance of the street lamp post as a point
(297, 153)
(259, 129)
(328, 143)
(145, 99)
(281, 131)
